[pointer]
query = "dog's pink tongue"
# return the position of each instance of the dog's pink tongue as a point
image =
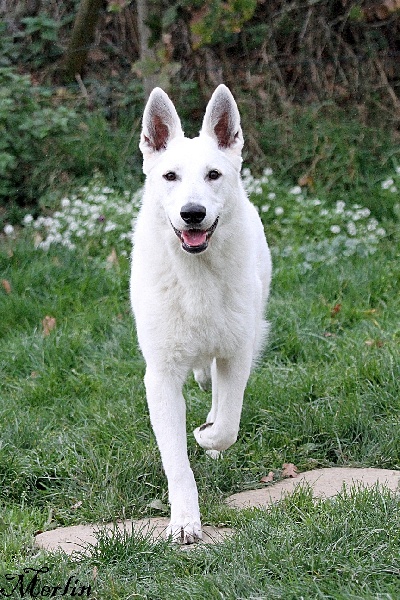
(194, 237)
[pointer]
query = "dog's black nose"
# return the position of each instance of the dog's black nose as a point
(192, 213)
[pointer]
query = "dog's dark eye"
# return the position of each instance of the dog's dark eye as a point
(170, 176)
(214, 174)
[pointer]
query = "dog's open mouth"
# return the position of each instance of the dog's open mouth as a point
(195, 240)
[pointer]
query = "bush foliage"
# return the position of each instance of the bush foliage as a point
(30, 127)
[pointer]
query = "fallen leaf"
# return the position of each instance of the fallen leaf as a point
(306, 180)
(37, 239)
(77, 505)
(112, 259)
(289, 470)
(336, 309)
(48, 324)
(6, 285)
(267, 478)
(374, 343)
(95, 573)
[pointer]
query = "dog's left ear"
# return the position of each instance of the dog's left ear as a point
(222, 121)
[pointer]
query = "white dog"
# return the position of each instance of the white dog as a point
(201, 271)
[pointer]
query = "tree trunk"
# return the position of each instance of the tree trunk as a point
(82, 37)
(147, 55)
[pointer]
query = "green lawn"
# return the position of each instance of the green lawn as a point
(76, 444)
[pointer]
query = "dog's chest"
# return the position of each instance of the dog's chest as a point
(205, 312)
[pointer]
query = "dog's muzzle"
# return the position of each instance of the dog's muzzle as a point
(195, 240)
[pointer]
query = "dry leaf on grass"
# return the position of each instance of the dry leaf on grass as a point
(336, 309)
(374, 343)
(48, 324)
(306, 180)
(267, 478)
(289, 470)
(112, 259)
(6, 286)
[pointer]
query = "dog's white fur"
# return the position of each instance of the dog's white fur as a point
(196, 311)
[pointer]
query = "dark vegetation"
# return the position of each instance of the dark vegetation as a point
(317, 80)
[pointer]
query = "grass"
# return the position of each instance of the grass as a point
(76, 444)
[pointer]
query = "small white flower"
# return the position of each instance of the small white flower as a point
(109, 227)
(271, 196)
(398, 170)
(335, 229)
(8, 230)
(364, 213)
(393, 189)
(296, 190)
(28, 219)
(279, 211)
(267, 172)
(316, 202)
(65, 202)
(340, 206)
(265, 208)
(386, 184)
(45, 245)
(381, 232)
(351, 228)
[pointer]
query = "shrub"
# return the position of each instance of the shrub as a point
(29, 128)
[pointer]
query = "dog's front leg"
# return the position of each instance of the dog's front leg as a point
(168, 418)
(229, 382)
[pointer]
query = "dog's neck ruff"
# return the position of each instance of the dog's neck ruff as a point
(195, 240)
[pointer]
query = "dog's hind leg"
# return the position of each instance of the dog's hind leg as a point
(203, 378)
(168, 419)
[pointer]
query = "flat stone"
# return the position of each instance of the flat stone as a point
(324, 483)
(81, 538)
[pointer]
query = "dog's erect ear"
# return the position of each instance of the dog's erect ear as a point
(222, 121)
(160, 123)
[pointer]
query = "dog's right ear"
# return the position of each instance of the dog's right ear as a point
(160, 124)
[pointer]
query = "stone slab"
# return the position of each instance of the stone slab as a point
(80, 538)
(325, 483)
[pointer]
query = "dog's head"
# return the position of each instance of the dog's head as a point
(192, 178)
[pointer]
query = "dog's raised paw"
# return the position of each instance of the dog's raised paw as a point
(204, 426)
(209, 437)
